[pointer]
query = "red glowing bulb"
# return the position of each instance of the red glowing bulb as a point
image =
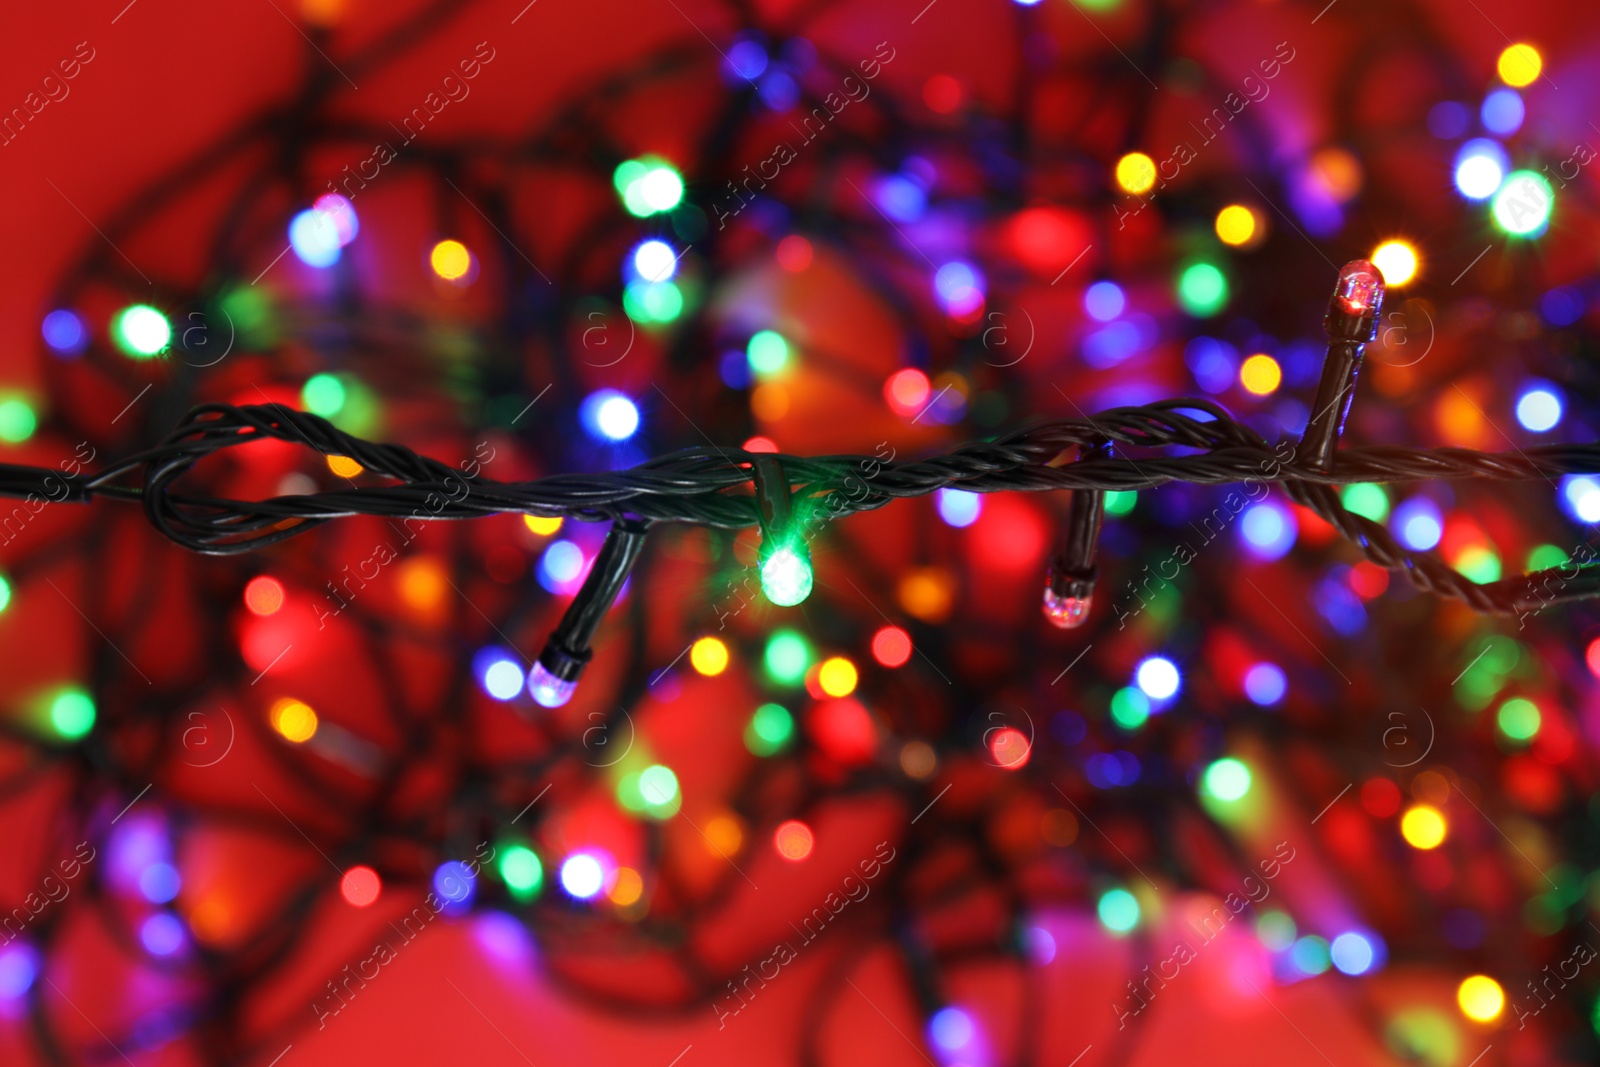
(793, 840)
(360, 886)
(1010, 748)
(1360, 288)
(263, 595)
(891, 646)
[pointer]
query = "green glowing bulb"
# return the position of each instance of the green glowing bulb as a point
(1226, 779)
(17, 421)
(72, 714)
(627, 173)
(1544, 557)
(648, 187)
(1202, 290)
(1310, 954)
(788, 656)
(1276, 930)
(1120, 502)
(768, 353)
(1522, 206)
(1518, 719)
(658, 785)
(1129, 708)
(323, 395)
(1118, 910)
(141, 331)
(521, 871)
(786, 577)
(1367, 499)
(5, 592)
(651, 302)
(769, 730)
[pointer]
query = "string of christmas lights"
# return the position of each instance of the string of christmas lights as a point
(808, 757)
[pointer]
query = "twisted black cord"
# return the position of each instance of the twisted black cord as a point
(706, 486)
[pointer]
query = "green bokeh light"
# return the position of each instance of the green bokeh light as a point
(788, 657)
(1310, 955)
(1129, 708)
(658, 786)
(1543, 557)
(521, 871)
(1276, 930)
(1479, 563)
(323, 395)
(1518, 719)
(1367, 499)
(1522, 206)
(1202, 289)
(652, 302)
(5, 593)
(17, 421)
(1118, 911)
(1226, 779)
(769, 729)
(768, 352)
(72, 713)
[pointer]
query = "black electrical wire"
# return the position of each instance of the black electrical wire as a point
(703, 486)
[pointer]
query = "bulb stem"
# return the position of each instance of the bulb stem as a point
(567, 651)
(1351, 322)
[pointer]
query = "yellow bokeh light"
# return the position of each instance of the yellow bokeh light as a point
(927, 593)
(1397, 260)
(293, 719)
(1481, 998)
(725, 835)
(1136, 172)
(344, 466)
(1423, 827)
(769, 402)
(1260, 374)
(543, 527)
(1236, 224)
(837, 676)
(709, 656)
(627, 888)
(1519, 65)
(422, 582)
(1337, 172)
(450, 260)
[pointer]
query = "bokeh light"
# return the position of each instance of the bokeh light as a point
(141, 331)
(360, 886)
(709, 656)
(1236, 224)
(1398, 262)
(450, 260)
(1480, 998)
(1136, 173)
(1519, 65)
(1423, 827)
(793, 840)
(1118, 911)
(1157, 677)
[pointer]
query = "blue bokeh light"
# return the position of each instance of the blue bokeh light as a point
(1265, 684)
(65, 332)
(1418, 523)
(957, 507)
(1503, 112)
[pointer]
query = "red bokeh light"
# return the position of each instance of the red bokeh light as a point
(1010, 748)
(1592, 657)
(906, 391)
(794, 253)
(1380, 797)
(891, 646)
(1368, 580)
(360, 886)
(263, 595)
(942, 93)
(760, 444)
(793, 840)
